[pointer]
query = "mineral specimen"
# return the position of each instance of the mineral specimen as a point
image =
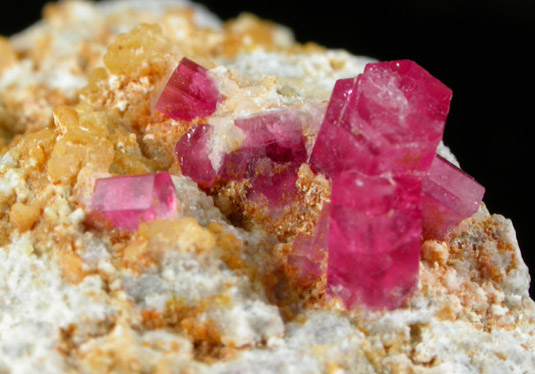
(127, 201)
(377, 139)
(190, 93)
(223, 289)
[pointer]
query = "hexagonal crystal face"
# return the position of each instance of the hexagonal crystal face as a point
(190, 93)
(127, 201)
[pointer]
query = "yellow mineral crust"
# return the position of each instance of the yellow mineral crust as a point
(209, 289)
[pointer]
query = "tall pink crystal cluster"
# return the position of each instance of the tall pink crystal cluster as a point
(190, 93)
(127, 201)
(378, 145)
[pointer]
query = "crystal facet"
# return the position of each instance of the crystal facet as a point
(273, 150)
(450, 195)
(189, 93)
(126, 201)
(374, 238)
(192, 153)
(388, 119)
(276, 136)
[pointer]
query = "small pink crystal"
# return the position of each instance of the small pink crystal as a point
(270, 156)
(127, 201)
(374, 239)
(389, 119)
(276, 184)
(450, 195)
(309, 252)
(192, 152)
(274, 149)
(276, 136)
(189, 93)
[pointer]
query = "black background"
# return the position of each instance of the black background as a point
(479, 48)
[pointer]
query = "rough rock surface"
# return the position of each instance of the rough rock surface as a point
(210, 290)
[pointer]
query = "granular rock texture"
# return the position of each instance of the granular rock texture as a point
(222, 284)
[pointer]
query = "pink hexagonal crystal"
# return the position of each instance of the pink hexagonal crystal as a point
(126, 201)
(277, 136)
(189, 93)
(334, 147)
(270, 156)
(273, 184)
(450, 195)
(273, 150)
(192, 151)
(374, 239)
(388, 119)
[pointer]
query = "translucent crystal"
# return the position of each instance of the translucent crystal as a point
(193, 155)
(189, 93)
(276, 136)
(450, 195)
(126, 201)
(269, 157)
(374, 239)
(273, 150)
(388, 119)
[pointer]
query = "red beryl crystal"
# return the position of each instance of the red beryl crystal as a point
(388, 119)
(450, 195)
(192, 151)
(276, 136)
(127, 201)
(274, 185)
(376, 143)
(270, 157)
(189, 93)
(374, 239)
(334, 147)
